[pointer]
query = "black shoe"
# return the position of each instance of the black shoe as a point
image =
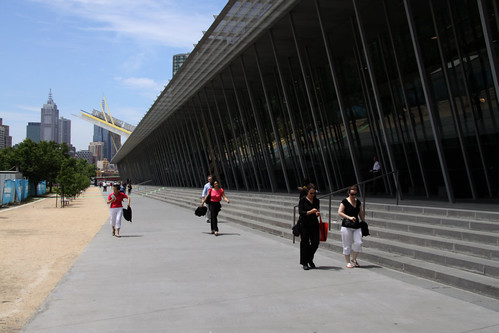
(311, 264)
(305, 267)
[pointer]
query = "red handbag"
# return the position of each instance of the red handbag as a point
(323, 229)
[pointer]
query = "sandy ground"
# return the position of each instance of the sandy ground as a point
(38, 244)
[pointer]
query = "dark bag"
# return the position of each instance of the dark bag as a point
(296, 229)
(127, 214)
(350, 224)
(201, 211)
(208, 199)
(365, 228)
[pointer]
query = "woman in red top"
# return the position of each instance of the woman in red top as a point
(217, 194)
(116, 208)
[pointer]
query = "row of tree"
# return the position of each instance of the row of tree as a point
(48, 161)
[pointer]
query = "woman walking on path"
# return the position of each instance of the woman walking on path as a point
(216, 195)
(116, 208)
(309, 209)
(351, 234)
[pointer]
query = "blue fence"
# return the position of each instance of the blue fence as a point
(20, 190)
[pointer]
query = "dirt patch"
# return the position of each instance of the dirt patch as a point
(38, 244)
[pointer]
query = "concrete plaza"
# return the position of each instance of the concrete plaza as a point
(167, 273)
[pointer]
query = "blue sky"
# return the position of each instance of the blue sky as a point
(84, 50)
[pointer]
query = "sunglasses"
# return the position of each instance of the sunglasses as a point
(353, 193)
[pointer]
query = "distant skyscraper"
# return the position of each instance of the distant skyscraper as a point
(33, 132)
(178, 60)
(96, 148)
(112, 142)
(50, 121)
(64, 130)
(5, 138)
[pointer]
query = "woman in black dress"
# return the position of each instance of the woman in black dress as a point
(309, 234)
(351, 234)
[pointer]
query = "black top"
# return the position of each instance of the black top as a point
(351, 210)
(304, 206)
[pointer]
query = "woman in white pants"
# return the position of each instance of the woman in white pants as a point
(116, 208)
(351, 233)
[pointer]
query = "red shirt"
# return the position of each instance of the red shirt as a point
(216, 196)
(119, 198)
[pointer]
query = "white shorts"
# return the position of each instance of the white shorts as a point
(351, 239)
(116, 214)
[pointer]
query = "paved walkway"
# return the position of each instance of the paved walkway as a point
(169, 274)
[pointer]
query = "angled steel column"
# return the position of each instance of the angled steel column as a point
(452, 101)
(467, 89)
(487, 35)
(377, 99)
(226, 141)
(234, 137)
(406, 101)
(311, 104)
(221, 157)
(297, 144)
(277, 138)
(339, 96)
(396, 118)
(261, 136)
(248, 141)
(202, 139)
(198, 150)
(190, 152)
(429, 102)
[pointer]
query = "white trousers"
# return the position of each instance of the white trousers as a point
(351, 239)
(116, 214)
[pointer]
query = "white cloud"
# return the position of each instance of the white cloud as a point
(143, 86)
(171, 23)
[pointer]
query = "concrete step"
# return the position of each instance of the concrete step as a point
(455, 247)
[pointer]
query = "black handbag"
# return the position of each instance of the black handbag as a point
(296, 229)
(350, 224)
(201, 211)
(365, 228)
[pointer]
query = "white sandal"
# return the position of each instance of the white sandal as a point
(350, 265)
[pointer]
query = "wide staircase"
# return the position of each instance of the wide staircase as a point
(456, 247)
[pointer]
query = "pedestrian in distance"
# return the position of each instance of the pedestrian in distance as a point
(115, 200)
(216, 195)
(351, 232)
(309, 209)
(206, 188)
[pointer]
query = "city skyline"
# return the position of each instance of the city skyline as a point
(83, 51)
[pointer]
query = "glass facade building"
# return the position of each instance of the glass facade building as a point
(278, 91)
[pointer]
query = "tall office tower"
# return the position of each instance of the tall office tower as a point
(112, 142)
(64, 130)
(96, 148)
(178, 60)
(33, 132)
(49, 129)
(5, 138)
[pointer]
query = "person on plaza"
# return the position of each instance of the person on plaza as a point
(115, 200)
(129, 188)
(351, 233)
(375, 172)
(309, 210)
(217, 194)
(122, 187)
(206, 188)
